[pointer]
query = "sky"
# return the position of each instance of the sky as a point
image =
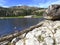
(36, 3)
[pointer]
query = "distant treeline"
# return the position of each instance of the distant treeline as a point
(20, 11)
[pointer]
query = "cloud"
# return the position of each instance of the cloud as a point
(19, 4)
(47, 3)
(57, 2)
(38, 3)
(2, 2)
(42, 3)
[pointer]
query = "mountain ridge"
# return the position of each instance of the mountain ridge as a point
(17, 10)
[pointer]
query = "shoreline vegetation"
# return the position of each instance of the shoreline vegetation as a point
(21, 17)
(21, 12)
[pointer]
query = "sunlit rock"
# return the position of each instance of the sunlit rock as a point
(53, 12)
(47, 34)
(20, 42)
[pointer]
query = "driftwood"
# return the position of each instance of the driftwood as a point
(11, 36)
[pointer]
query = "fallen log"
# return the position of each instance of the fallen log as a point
(11, 36)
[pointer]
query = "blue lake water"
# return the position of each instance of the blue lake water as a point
(8, 26)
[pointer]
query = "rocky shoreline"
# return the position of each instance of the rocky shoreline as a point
(47, 32)
(8, 38)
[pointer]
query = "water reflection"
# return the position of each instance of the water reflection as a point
(8, 26)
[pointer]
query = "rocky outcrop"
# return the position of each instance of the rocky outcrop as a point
(47, 34)
(53, 12)
(4, 43)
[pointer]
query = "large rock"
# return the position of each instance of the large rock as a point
(4, 43)
(47, 34)
(53, 12)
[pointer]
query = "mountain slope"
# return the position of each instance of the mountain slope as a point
(17, 10)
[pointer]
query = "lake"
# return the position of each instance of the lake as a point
(8, 26)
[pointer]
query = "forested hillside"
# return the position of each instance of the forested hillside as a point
(20, 11)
